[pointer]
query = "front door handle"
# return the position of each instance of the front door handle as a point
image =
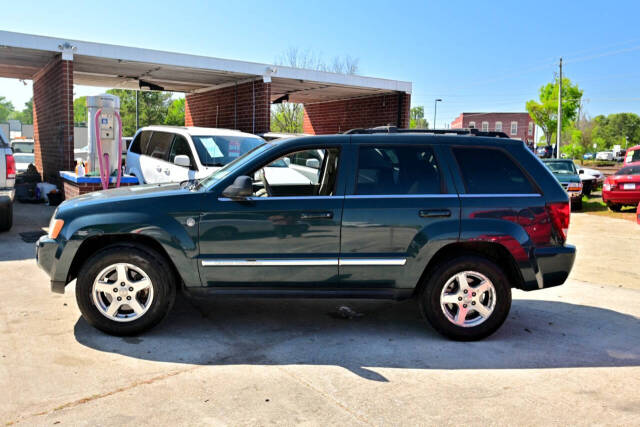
(316, 215)
(435, 213)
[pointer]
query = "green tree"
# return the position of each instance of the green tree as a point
(26, 115)
(6, 108)
(617, 129)
(287, 117)
(545, 111)
(416, 118)
(152, 108)
(80, 111)
(175, 113)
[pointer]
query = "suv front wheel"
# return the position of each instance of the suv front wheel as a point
(466, 299)
(125, 290)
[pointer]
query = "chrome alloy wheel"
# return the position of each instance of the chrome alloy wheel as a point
(468, 299)
(122, 292)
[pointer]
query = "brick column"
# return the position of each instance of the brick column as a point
(245, 107)
(53, 118)
(339, 116)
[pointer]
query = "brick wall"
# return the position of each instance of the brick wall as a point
(340, 116)
(231, 107)
(523, 120)
(72, 189)
(53, 119)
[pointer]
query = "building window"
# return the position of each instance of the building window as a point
(530, 129)
(498, 126)
(514, 128)
(485, 126)
(472, 125)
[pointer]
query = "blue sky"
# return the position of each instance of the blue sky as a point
(476, 56)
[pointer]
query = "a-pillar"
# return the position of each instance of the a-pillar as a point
(244, 106)
(339, 116)
(53, 119)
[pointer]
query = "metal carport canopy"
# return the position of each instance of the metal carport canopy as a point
(106, 65)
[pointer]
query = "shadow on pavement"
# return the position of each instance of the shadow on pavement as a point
(538, 334)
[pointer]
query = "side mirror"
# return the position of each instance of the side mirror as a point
(182, 160)
(581, 171)
(287, 161)
(241, 188)
(313, 163)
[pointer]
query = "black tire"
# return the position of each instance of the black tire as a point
(429, 298)
(587, 188)
(576, 205)
(614, 207)
(6, 216)
(142, 257)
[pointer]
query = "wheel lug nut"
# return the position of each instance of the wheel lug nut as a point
(122, 284)
(115, 289)
(473, 294)
(459, 298)
(465, 291)
(130, 289)
(119, 298)
(128, 298)
(464, 305)
(473, 303)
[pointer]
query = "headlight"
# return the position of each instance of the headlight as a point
(55, 225)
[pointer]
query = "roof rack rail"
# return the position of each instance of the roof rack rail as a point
(394, 129)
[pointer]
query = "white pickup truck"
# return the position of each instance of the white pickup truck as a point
(7, 182)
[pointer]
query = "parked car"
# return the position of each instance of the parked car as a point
(638, 213)
(390, 215)
(566, 173)
(160, 154)
(620, 155)
(633, 156)
(23, 160)
(605, 155)
(545, 152)
(622, 188)
(591, 179)
(588, 156)
(7, 183)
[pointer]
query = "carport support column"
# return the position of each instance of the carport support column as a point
(339, 116)
(53, 118)
(243, 106)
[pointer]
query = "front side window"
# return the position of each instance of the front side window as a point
(490, 171)
(159, 145)
(514, 128)
(180, 146)
(218, 150)
(485, 126)
(398, 170)
(140, 142)
(285, 176)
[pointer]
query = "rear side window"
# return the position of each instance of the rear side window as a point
(398, 170)
(159, 145)
(140, 142)
(491, 171)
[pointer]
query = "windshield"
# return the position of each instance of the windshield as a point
(209, 181)
(217, 150)
(562, 167)
(22, 147)
(23, 157)
(629, 170)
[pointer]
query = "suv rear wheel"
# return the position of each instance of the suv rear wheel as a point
(125, 290)
(6, 216)
(466, 299)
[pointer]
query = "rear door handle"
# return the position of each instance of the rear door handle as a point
(316, 215)
(434, 213)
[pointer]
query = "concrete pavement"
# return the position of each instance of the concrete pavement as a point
(565, 355)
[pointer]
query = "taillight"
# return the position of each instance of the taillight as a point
(560, 215)
(11, 166)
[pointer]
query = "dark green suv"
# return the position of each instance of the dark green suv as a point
(454, 221)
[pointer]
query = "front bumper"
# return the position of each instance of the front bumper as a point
(554, 265)
(47, 254)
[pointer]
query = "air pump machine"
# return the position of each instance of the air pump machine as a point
(105, 137)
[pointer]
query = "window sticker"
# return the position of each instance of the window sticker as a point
(211, 146)
(234, 148)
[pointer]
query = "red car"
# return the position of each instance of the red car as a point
(632, 156)
(623, 188)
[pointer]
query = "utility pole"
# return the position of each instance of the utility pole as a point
(435, 110)
(559, 131)
(137, 120)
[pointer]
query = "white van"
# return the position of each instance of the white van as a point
(161, 154)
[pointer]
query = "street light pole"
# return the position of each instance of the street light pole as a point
(559, 130)
(435, 110)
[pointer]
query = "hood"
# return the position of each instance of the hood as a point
(133, 192)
